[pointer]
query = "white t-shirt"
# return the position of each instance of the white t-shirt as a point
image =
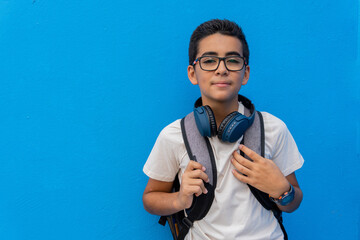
(235, 212)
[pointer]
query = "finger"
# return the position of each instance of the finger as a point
(197, 189)
(243, 161)
(202, 190)
(241, 168)
(199, 174)
(198, 192)
(240, 177)
(194, 165)
(250, 153)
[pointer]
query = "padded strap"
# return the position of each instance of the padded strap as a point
(253, 135)
(196, 145)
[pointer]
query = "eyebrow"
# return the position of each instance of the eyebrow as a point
(216, 54)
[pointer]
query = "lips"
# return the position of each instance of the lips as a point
(221, 84)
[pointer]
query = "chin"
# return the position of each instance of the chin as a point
(221, 97)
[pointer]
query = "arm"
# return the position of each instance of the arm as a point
(158, 198)
(264, 175)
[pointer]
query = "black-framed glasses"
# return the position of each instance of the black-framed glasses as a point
(211, 63)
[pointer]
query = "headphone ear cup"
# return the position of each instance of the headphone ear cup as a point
(224, 123)
(205, 121)
(233, 127)
(212, 120)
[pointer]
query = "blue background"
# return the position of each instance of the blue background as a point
(86, 86)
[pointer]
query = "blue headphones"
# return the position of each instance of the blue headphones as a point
(231, 128)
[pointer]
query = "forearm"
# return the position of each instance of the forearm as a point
(161, 203)
(292, 206)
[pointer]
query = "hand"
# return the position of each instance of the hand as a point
(192, 182)
(260, 173)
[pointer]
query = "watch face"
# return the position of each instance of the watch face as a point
(287, 199)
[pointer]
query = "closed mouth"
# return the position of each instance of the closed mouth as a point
(221, 84)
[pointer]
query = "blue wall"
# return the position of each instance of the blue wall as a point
(86, 86)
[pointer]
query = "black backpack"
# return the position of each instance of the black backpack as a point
(199, 149)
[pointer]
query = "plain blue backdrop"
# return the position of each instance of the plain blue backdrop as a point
(86, 87)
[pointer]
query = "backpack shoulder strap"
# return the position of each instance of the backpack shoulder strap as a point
(195, 145)
(255, 139)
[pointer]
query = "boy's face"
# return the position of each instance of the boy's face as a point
(220, 85)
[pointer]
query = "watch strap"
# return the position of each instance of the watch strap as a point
(285, 198)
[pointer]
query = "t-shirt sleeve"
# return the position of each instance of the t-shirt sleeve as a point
(281, 146)
(163, 161)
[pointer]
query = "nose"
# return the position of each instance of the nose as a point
(222, 70)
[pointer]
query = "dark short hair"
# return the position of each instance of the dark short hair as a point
(224, 27)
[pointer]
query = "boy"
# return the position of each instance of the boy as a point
(218, 63)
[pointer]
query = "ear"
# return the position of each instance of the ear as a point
(192, 75)
(246, 75)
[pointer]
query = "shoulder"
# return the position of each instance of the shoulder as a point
(280, 146)
(171, 133)
(276, 132)
(170, 141)
(273, 123)
(165, 157)
(275, 128)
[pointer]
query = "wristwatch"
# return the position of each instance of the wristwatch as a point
(285, 198)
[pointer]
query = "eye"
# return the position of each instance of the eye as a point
(234, 60)
(209, 60)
